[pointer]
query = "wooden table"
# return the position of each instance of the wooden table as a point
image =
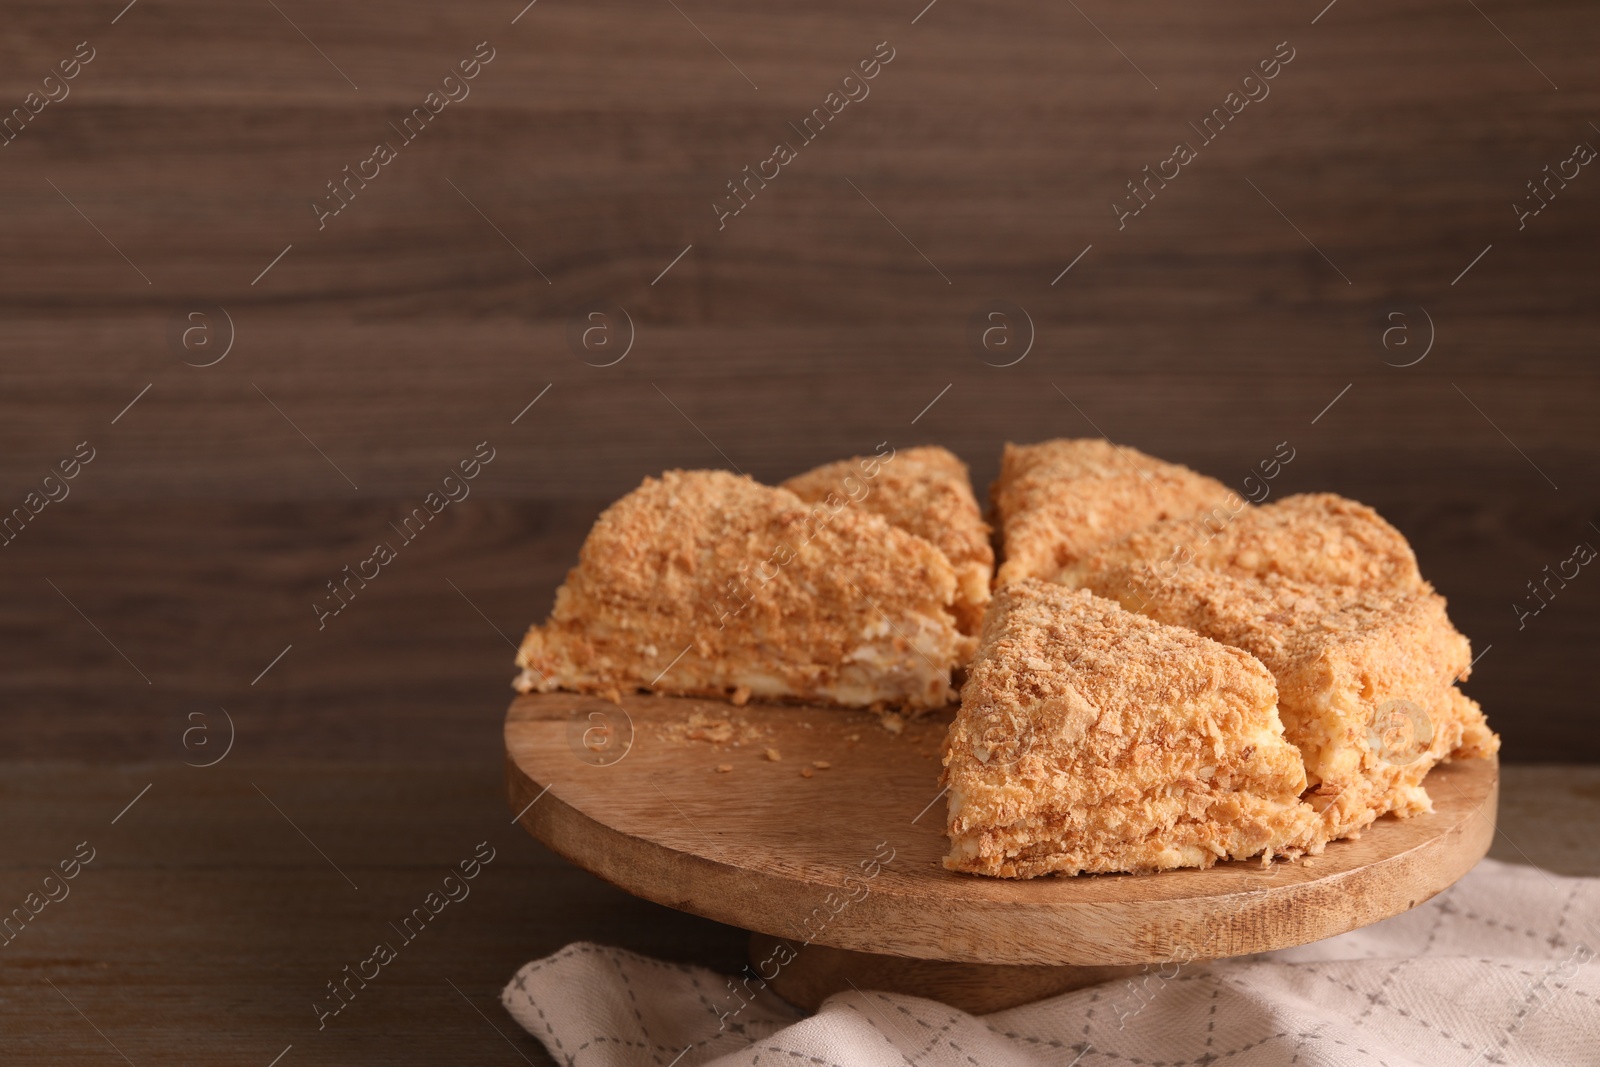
(207, 925)
(1252, 301)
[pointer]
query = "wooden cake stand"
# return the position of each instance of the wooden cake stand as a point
(837, 874)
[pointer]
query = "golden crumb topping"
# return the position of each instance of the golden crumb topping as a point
(1350, 664)
(1318, 538)
(708, 583)
(924, 491)
(1059, 500)
(1093, 739)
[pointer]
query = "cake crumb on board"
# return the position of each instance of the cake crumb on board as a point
(715, 729)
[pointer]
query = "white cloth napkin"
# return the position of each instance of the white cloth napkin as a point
(1497, 970)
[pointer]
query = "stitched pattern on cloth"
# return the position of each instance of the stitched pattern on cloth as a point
(1493, 971)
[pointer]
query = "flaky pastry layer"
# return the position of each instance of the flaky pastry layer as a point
(1092, 739)
(707, 583)
(924, 491)
(1059, 500)
(1319, 538)
(1365, 680)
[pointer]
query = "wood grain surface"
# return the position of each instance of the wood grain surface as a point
(175, 174)
(205, 926)
(816, 972)
(200, 596)
(756, 835)
(827, 316)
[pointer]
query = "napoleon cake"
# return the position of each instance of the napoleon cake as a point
(1365, 679)
(1059, 500)
(707, 583)
(1092, 739)
(924, 491)
(1319, 538)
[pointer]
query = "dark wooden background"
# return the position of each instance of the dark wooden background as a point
(822, 320)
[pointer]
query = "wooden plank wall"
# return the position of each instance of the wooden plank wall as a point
(1374, 176)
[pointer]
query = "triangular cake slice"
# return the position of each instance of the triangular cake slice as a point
(1365, 680)
(924, 491)
(1057, 501)
(1092, 739)
(1319, 538)
(707, 583)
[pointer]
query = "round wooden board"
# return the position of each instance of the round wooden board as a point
(808, 859)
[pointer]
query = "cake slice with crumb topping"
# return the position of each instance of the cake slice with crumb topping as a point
(1319, 538)
(706, 583)
(924, 491)
(1091, 739)
(1365, 679)
(1057, 501)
